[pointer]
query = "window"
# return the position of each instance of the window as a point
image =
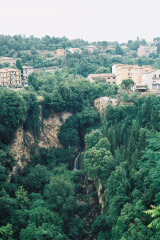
(113, 82)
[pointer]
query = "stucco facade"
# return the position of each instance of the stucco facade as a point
(133, 72)
(137, 73)
(146, 50)
(60, 52)
(10, 76)
(152, 79)
(123, 71)
(74, 50)
(104, 77)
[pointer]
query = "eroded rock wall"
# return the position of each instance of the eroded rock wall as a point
(24, 142)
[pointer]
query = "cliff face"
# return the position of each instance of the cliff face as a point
(24, 142)
(100, 195)
(51, 127)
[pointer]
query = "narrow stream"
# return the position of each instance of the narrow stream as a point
(76, 162)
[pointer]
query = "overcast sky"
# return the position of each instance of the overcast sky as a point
(92, 20)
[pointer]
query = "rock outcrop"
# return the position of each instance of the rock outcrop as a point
(24, 143)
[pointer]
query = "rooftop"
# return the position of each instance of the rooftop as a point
(129, 66)
(102, 75)
(74, 48)
(3, 70)
(7, 58)
(26, 67)
(150, 71)
(91, 46)
(12, 69)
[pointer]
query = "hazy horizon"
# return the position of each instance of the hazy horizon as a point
(90, 20)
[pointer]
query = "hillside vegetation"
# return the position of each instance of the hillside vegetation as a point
(119, 167)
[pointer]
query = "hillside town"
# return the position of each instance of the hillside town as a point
(137, 60)
(79, 120)
(145, 77)
(79, 138)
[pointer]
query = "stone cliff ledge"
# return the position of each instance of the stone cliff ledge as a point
(24, 142)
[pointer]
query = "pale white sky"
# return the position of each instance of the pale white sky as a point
(92, 20)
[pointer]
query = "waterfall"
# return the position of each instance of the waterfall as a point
(76, 161)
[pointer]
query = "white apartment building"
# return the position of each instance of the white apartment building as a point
(152, 79)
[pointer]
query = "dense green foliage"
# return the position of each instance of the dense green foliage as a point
(127, 84)
(17, 109)
(130, 176)
(120, 150)
(18, 42)
(155, 213)
(40, 201)
(12, 113)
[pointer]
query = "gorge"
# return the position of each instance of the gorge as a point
(117, 154)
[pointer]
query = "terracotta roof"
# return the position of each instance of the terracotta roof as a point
(12, 70)
(3, 70)
(26, 67)
(129, 66)
(91, 46)
(7, 58)
(144, 69)
(9, 70)
(124, 65)
(102, 75)
(153, 70)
